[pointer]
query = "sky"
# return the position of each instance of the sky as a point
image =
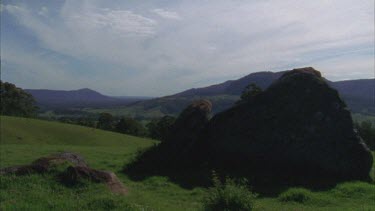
(161, 47)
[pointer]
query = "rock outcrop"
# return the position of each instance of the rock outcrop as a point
(299, 125)
(78, 174)
(71, 169)
(46, 164)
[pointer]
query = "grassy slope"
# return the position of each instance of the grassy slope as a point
(361, 117)
(23, 140)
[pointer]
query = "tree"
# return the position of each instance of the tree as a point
(160, 128)
(15, 101)
(153, 131)
(367, 133)
(105, 121)
(130, 126)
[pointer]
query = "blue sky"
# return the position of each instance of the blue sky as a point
(156, 48)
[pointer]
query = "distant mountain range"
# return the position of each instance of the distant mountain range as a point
(233, 87)
(358, 94)
(59, 99)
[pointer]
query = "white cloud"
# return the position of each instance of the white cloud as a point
(147, 54)
(35, 71)
(43, 11)
(122, 22)
(166, 14)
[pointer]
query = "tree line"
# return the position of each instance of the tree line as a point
(16, 102)
(156, 128)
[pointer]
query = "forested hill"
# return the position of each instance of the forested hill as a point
(358, 94)
(51, 99)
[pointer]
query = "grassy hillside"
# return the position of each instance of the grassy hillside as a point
(361, 117)
(24, 140)
(31, 131)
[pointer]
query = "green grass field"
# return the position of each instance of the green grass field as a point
(361, 117)
(24, 140)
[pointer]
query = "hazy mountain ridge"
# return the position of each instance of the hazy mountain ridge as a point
(50, 99)
(358, 94)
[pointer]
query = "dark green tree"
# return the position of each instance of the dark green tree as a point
(152, 128)
(130, 126)
(160, 128)
(15, 101)
(105, 121)
(367, 133)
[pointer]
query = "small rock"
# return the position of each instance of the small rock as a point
(78, 174)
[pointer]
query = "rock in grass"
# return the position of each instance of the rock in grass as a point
(78, 174)
(47, 164)
(299, 127)
(72, 169)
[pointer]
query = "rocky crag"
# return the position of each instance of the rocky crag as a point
(299, 126)
(297, 129)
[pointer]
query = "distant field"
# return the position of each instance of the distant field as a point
(160, 107)
(131, 111)
(24, 140)
(361, 117)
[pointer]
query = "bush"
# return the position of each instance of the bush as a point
(298, 195)
(108, 203)
(367, 131)
(229, 196)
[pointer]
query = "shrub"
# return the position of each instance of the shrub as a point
(354, 190)
(367, 132)
(107, 203)
(229, 195)
(299, 195)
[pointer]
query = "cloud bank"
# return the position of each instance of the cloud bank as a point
(164, 47)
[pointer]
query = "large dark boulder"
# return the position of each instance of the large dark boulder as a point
(188, 127)
(179, 150)
(297, 128)
(191, 121)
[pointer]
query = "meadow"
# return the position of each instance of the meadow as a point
(24, 140)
